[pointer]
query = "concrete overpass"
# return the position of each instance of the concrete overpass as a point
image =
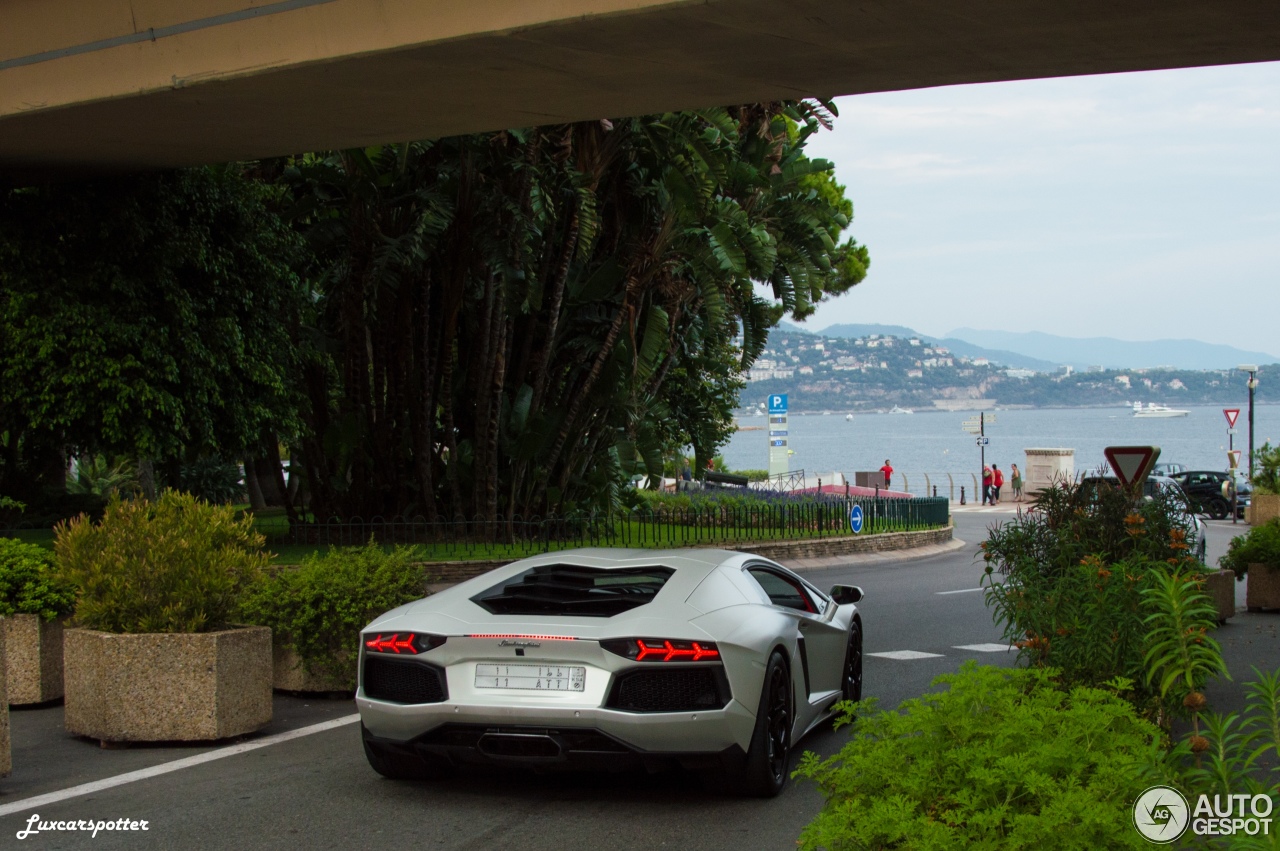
(99, 85)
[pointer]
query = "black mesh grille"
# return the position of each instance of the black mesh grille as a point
(670, 690)
(398, 681)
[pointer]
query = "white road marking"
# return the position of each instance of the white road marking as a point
(903, 655)
(961, 591)
(984, 648)
(30, 804)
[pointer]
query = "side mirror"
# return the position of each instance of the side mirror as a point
(845, 594)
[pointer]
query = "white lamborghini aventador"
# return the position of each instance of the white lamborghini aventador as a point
(714, 659)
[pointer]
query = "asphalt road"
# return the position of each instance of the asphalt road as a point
(317, 791)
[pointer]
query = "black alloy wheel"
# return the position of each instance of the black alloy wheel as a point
(851, 681)
(769, 757)
(1218, 509)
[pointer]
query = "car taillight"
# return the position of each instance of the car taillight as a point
(663, 650)
(401, 642)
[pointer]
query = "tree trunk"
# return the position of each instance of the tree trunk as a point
(256, 502)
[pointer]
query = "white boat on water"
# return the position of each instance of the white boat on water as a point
(896, 410)
(848, 418)
(1154, 410)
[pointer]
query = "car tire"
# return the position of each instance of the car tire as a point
(396, 765)
(769, 759)
(851, 677)
(1218, 509)
(1202, 552)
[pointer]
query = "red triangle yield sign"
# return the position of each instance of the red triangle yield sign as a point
(1131, 464)
(1232, 414)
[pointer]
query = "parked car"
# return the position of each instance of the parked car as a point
(1167, 468)
(1169, 488)
(716, 660)
(1204, 489)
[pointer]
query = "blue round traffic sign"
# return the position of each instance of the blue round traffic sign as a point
(855, 519)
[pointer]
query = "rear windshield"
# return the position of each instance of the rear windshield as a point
(565, 589)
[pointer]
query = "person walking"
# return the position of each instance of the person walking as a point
(997, 481)
(888, 473)
(986, 485)
(1015, 482)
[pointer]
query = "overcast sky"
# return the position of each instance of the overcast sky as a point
(1138, 206)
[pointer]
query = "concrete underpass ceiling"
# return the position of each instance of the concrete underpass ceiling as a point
(59, 117)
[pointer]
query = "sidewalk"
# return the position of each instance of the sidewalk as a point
(803, 565)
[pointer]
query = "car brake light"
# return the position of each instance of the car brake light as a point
(521, 635)
(663, 650)
(402, 642)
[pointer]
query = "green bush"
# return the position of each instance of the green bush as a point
(1260, 546)
(1001, 759)
(1067, 583)
(212, 479)
(174, 565)
(319, 608)
(1266, 469)
(28, 583)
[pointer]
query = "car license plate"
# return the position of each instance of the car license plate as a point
(532, 677)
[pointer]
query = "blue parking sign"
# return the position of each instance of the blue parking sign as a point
(778, 403)
(855, 519)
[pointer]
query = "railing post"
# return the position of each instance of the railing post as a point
(951, 495)
(962, 494)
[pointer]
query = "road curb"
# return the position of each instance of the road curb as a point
(807, 565)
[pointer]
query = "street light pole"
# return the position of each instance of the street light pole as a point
(1252, 369)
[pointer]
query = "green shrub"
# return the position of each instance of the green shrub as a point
(1260, 546)
(319, 608)
(212, 479)
(1001, 759)
(1266, 469)
(1066, 583)
(174, 565)
(28, 583)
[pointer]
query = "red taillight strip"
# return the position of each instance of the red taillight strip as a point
(515, 635)
(394, 643)
(669, 651)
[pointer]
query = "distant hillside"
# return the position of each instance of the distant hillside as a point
(1081, 353)
(959, 347)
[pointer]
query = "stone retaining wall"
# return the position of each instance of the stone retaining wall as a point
(458, 571)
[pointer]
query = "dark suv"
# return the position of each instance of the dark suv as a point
(1204, 489)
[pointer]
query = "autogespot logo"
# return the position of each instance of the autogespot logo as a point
(1161, 814)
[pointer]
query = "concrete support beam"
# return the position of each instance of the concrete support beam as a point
(121, 84)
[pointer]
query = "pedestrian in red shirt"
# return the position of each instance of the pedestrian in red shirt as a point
(997, 480)
(888, 472)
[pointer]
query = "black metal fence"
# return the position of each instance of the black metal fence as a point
(706, 525)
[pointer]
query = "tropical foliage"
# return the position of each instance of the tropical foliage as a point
(147, 315)
(512, 323)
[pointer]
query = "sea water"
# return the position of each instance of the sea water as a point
(934, 443)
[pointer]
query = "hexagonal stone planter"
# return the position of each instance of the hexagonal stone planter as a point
(1220, 585)
(159, 687)
(1264, 587)
(291, 675)
(1262, 507)
(33, 655)
(6, 756)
